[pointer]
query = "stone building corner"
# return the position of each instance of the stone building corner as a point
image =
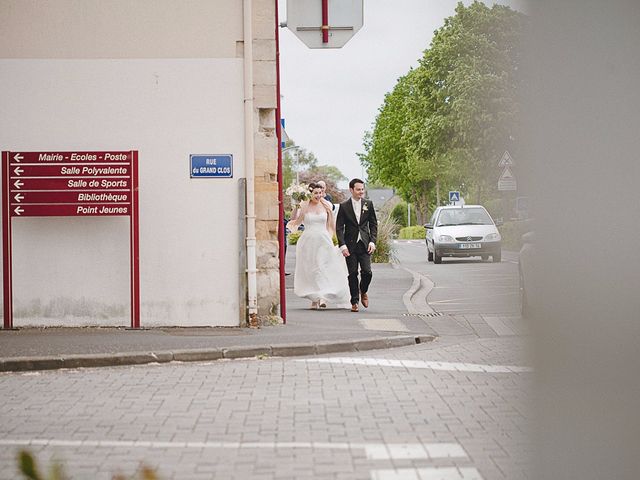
(266, 157)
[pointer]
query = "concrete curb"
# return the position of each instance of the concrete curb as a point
(23, 364)
(415, 299)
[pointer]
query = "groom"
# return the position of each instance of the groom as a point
(357, 229)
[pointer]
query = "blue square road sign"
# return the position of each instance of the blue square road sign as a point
(211, 166)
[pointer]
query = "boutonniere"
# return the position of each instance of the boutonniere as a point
(365, 208)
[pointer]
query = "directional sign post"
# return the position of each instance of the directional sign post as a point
(55, 184)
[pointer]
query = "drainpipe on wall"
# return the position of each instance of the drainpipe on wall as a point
(249, 165)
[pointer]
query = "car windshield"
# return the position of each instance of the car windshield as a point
(463, 216)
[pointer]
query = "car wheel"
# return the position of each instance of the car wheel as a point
(497, 257)
(429, 255)
(436, 258)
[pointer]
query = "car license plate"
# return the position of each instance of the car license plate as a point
(470, 245)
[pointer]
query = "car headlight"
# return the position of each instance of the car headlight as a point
(492, 237)
(445, 239)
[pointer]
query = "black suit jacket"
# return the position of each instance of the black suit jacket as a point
(348, 228)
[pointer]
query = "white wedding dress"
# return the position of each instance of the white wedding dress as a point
(321, 271)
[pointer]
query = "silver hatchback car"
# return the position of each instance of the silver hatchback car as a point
(462, 231)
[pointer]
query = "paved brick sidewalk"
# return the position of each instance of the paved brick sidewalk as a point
(348, 416)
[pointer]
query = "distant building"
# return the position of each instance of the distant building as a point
(383, 198)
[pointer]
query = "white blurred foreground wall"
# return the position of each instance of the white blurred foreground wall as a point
(164, 78)
(583, 124)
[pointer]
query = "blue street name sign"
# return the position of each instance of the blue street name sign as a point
(211, 166)
(454, 197)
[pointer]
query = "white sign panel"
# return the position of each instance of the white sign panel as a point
(325, 23)
(507, 180)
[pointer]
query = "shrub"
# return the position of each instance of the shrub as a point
(495, 207)
(384, 248)
(294, 237)
(29, 469)
(417, 232)
(399, 214)
(511, 233)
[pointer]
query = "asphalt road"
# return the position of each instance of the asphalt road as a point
(464, 286)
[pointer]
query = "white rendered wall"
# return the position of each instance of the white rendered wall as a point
(121, 28)
(75, 271)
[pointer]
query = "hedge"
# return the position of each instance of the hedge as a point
(416, 232)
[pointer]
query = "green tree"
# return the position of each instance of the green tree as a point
(328, 172)
(399, 214)
(472, 76)
(447, 122)
(314, 175)
(390, 154)
(295, 159)
(386, 158)
(299, 164)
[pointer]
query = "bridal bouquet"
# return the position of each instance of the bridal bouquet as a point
(298, 193)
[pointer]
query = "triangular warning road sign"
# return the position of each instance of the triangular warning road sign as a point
(506, 174)
(506, 160)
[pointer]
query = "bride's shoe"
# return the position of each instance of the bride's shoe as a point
(314, 305)
(323, 303)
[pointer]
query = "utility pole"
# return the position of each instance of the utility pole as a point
(294, 147)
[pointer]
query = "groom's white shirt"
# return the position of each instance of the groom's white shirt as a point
(357, 206)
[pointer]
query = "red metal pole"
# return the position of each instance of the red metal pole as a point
(6, 244)
(281, 236)
(325, 21)
(135, 240)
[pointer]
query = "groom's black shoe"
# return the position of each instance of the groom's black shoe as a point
(354, 307)
(364, 298)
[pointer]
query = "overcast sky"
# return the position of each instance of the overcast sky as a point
(330, 97)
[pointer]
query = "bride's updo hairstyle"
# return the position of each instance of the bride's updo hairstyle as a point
(313, 186)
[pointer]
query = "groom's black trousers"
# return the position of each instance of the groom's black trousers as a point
(359, 257)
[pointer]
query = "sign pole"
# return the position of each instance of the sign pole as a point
(325, 21)
(135, 250)
(6, 245)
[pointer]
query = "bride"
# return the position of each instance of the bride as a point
(321, 272)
